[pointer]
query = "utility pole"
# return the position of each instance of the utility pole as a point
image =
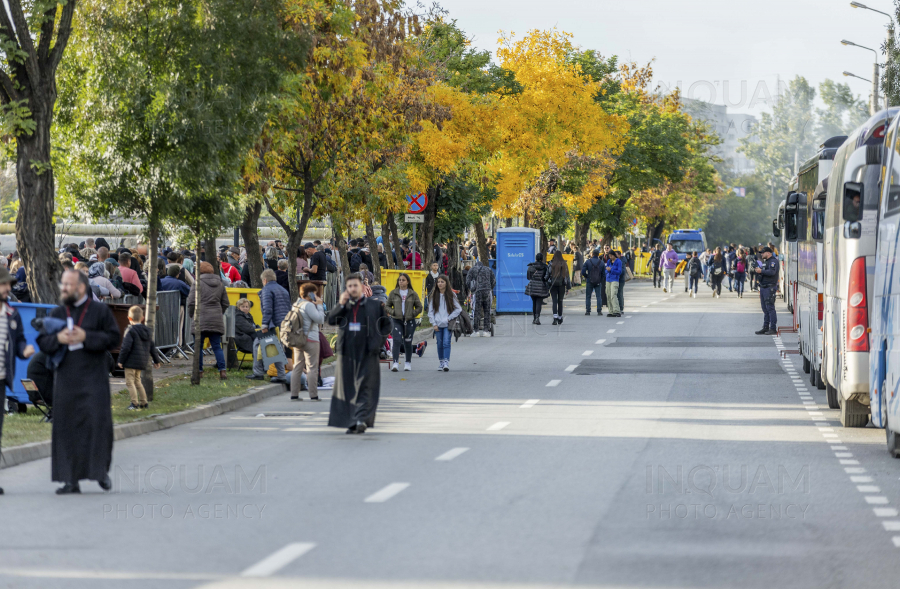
(874, 88)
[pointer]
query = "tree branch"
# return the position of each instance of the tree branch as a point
(46, 35)
(275, 214)
(25, 42)
(62, 36)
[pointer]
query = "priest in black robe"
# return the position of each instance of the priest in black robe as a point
(363, 327)
(82, 417)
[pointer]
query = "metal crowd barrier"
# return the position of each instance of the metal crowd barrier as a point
(168, 321)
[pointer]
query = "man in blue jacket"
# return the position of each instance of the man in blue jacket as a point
(275, 303)
(594, 273)
(12, 338)
(613, 271)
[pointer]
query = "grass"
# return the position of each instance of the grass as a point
(171, 395)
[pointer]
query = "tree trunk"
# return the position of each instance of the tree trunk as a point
(212, 255)
(544, 242)
(250, 235)
(198, 339)
(483, 255)
(395, 239)
(427, 246)
(34, 222)
(370, 237)
(150, 312)
(581, 234)
(386, 243)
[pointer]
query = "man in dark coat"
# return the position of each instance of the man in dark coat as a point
(363, 327)
(12, 339)
(82, 418)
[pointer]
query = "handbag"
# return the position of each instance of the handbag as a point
(628, 274)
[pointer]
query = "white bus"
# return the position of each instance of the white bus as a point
(804, 225)
(851, 216)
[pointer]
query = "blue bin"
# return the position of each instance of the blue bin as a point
(28, 312)
(516, 247)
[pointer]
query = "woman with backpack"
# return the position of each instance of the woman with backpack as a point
(403, 306)
(308, 309)
(717, 272)
(537, 287)
(695, 272)
(740, 273)
(750, 263)
(443, 309)
(559, 286)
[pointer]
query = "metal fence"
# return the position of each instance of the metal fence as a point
(168, 321)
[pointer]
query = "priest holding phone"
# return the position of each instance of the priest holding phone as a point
(12, 342)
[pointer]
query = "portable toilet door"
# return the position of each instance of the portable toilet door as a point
(516, 247)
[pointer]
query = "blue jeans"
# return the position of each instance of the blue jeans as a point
(443, 336)
(739, 278)
(595, 289)
(693, 284)
(215, 342)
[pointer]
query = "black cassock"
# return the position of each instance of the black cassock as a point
(82, 416)
(357, 382)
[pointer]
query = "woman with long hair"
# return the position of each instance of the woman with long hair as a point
(559, 286)
(443, 309)
(538, 289)
(717, 272)
(740, 273)
(403, 306)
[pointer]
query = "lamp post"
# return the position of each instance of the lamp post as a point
(849, 75)
(890, 35)
(874, 104)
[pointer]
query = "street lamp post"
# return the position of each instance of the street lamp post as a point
(890, 35)
(874, 103)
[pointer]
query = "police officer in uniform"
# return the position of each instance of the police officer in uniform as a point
(768, 286)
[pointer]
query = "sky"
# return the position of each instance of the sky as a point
(705, 47)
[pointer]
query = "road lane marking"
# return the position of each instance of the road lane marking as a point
(529, 404)
(849, 461)
(885, 511)
(843, 454)
(620, 323)
(610, 331)
(275, 562)
(599, 341)
(587, 352)
(571, 367)
(854, 470)
(386, 493)
(876, 500)
(553, 383)
(840, 448)
(896, 541)
(860, 479)
(868, 488)
(451, 454)
(498, 426)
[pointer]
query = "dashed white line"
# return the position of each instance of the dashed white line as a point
(451, 454)
(848, 462)
(885, 511)
(610, 331)
(876, 500)
(386, 493)
(571, 367)
(620, 323)
(587, 352)
(600, 341)
(854, 470)
(529, 404)
(277, 561)
(868, 488)
(843, 454)
(896, 541)
(860, 479)
(498, 426)
(553, 383)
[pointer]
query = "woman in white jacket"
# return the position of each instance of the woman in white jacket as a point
(440, 316)
(307, 358)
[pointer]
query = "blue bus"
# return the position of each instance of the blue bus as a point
(884, 323)
(685, 241)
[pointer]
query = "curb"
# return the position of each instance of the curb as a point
(38, 450)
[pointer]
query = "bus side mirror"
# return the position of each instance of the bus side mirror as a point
(790, 223)
(775, 230)
(853, 196)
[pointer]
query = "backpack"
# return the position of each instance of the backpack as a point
(739, 266)
(292, 334)
(329, 264)
(595, 274)
(355, 261)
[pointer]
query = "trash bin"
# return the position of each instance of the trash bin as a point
(28, 313)
(389, 280)
(247, 293)
(516, 247)
(569, 258)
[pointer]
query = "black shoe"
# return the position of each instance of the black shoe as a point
(560, 320)
(105, 484)
(351, 429)
(132, 407)
(360, 427)
(69, 489)
(295, 398)
(555, 321)
(772, 332)
(255, 377)
(144, 405)
(537, 320)
(587, 312)
(278, 380)
(320, 382)
(763, 331)
(315, 399)
(1, 490)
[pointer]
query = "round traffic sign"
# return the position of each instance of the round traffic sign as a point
(417, 202)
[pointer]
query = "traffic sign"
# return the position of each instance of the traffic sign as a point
(415, 218)
(417, 203)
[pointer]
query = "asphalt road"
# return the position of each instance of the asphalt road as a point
(667, 448)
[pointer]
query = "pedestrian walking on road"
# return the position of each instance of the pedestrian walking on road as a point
(559, 286)
(481, 283)
(12, 338)
(704, 263)
(740, 273)
(444, 308)
(82, 439)
(695, 273)
(403, 306)
(767, 274)
(667, 263)
(655, 256)
(307, 313)
(750, 263)
(134, 355)
(275, 303)
(613, 272)
(717, 273)
(730, 257)
(213, 303)
(594, 273)
(363, 327)
(538, 287)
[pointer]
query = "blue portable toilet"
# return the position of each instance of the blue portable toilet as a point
(516, 247)
(28, 312)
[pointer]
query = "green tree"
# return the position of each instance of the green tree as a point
(843, 110)
(745, 220)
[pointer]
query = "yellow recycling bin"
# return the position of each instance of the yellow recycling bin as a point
(389, 281)
(252, 294)
(569, 259)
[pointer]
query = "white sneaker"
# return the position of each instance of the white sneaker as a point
(394, 367)
(446, 365)
(479, 334)
(407, 367)
(440, 365)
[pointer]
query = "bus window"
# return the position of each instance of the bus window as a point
(853, 196)
(892, 206)
(818, 219)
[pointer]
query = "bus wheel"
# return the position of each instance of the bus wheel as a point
(854, 413)
(806, 365)
(893, 440)
(820, 384)
(831, 395)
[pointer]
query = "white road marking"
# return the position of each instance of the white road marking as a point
(829, 436)
(817, 415)
(275, 562)
(860, 479)
(610, 331)
(868, 488)
(876, 500)
(498, 426)
(885, 511)
(893, 526)
(848, 462)
(553, 383)
(839, 448)
(451, 454)
(529, 404)
(629, 316)
(854, 470)
(587, 352)
(826, 429)
(620, 323)
(386, 493)
(643, 306)
(571, 368)
(843, 454)
(599, 341)
(896, 541)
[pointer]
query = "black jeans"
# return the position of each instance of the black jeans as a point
(558, 293)
(717, 283)
(536, 304)
(402, 334)
(657, 276)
